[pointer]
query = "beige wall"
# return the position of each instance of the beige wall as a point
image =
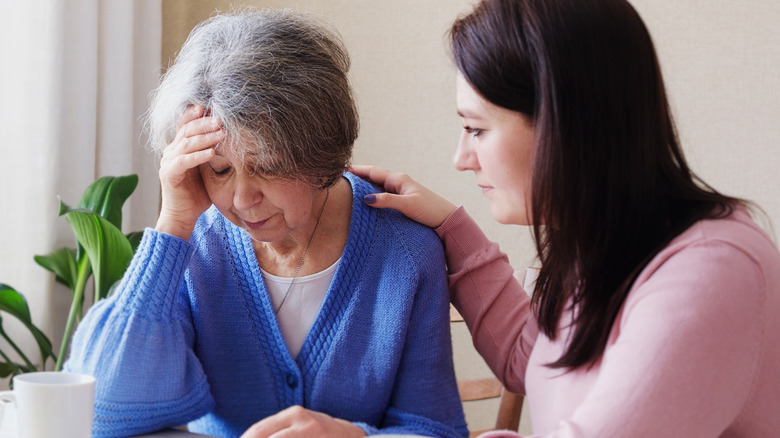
(720, 59)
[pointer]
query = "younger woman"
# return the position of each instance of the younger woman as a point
(655, 310)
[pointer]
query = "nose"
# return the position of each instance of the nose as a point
(465, 158)
(247, 193)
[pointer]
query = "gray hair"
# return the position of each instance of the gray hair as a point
(277, 80)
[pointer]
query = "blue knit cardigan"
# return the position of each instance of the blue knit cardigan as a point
(190, 335)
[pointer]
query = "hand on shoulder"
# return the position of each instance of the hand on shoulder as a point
(406, 195)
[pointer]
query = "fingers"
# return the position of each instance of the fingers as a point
(184, 195)
(180, 157)
(173, 169)
(197, 127)
(394, 182)
(385, 200)
(298, 422)
(190, 113)
(262, 429)
(373, 174)
(194, 142)
(190, 144)
(275, 424)
(406, 195)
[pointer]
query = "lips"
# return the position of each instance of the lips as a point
(255, 225)
(486, 189)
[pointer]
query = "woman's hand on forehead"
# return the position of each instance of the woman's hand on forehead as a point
(184, 197)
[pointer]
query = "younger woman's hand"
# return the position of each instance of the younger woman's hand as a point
(184, 197)
(298, 422)
(405, 195)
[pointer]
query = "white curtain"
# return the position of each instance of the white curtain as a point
(74, 80)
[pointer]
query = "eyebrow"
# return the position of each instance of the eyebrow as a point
(466, 114)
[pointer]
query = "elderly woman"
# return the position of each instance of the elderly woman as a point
(269, 296)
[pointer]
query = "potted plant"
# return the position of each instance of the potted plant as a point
(103, 252)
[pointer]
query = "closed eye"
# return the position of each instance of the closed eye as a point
(219, 171)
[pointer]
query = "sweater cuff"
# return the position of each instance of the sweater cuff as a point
(153, 279)
(460, 224)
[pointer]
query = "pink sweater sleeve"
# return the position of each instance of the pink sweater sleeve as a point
(493, 304)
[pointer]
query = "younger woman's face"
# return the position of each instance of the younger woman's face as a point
(498, 145)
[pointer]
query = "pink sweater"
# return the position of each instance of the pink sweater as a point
(693, 353)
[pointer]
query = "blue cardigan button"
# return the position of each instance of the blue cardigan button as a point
(292, 380)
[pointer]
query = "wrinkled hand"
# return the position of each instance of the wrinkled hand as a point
(406, 195)
(298, 422)
(184, 197)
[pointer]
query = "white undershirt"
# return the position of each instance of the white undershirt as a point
(302, 305)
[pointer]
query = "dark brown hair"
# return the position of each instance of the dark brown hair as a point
(610, 183)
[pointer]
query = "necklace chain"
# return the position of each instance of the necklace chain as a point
(305, 251)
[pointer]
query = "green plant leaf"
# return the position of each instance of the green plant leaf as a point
(108, 249)
(107, 195)
(6, 369)
(63, 263)
(15, 304)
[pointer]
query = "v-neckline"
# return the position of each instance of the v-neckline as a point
(325, 327)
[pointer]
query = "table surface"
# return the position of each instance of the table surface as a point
(171, 434)
(8, 429)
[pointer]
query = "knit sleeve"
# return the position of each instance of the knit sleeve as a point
(138, 343)
(425, 399)
(494, 306)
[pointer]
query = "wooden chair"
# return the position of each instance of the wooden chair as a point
(511, 404)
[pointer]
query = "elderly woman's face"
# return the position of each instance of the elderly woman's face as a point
(269, 209)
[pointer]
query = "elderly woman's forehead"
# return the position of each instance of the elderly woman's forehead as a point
(237, 149)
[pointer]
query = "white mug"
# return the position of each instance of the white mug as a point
(52, 404)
